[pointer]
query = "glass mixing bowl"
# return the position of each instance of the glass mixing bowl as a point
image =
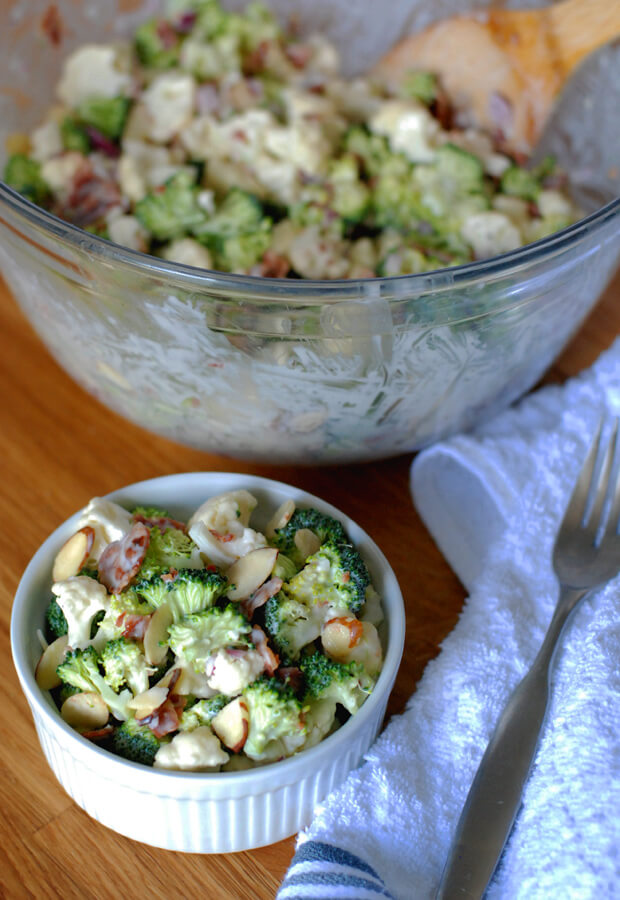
(274, 370)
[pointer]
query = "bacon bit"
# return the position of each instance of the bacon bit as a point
(98, 733)
(259, 639)
(161, 522)
(134, 625)
(533, 209)
(261, 595)
(90, 198)
(51, 24)
(166, 34)
(163, 720)
(224, 538)
(290, 675)
(353, 626)
(273, 265)
(346, 577)
(256, 61)
(299, 54)
(121, 560)
(170, 576)
(211, 568)
(216, 365)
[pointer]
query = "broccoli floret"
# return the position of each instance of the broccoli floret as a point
(325, 527)
(325, 679)
(24, 176)
(124, 663)
(291, 625)
(422, 86)
(156, 44)
(55, 621)
(150, 512)
(80, 668)
(334, 578)
(73, 136)
(189, 591)
(173, 211)
(237, 233)
(276, 726)
(519, 182)
(169, 549)
(135, 742)
(199, 635)
(202, 712)
(130, 601)
(106, 114)
(350, 197)
(372, 150)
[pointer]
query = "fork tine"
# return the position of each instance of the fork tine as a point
(602, 486)
(611, 527)
(576, 509)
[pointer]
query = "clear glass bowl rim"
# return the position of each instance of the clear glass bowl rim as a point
(395, 287)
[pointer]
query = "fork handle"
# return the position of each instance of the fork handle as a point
(495, 794)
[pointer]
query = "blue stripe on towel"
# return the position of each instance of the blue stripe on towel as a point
(326, 872)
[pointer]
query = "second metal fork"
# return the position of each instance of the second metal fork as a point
(586, 555)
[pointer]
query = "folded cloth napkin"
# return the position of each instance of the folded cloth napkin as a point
(493, 500)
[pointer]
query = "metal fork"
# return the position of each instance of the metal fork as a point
(586, 555)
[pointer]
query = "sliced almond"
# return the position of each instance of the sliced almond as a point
(73, 554)
(156, 635)
(280, 518)
(45, 672)
(232, 724)
(147, 702)
(85, 712)
(307, 542)
(250, 571)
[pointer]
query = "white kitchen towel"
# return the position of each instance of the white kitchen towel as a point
(493, 500)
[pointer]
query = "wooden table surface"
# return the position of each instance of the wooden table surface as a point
(58, 448)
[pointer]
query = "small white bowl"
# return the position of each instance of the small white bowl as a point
(194, 812)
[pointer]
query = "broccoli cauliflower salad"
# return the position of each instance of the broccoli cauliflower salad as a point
(206, 645)
(227, 141)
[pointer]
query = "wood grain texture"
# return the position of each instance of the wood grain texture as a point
(56, 452)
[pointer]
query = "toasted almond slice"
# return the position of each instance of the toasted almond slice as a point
(85, 712)
(147, 702)
(45, 672)
(73, 554)
(232, 724)
(156, 635)
(280, 518)
(307, 542)
(250, 571)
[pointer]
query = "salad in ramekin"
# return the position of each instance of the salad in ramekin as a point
(206, 645)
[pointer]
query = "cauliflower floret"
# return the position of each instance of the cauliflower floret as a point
(490, 233)
(46, 141)
(94, 70)
(80, 599)
(553, 203)
(317, 255)
(109, 521)
(128, 232)
(60, 171)
(220, 527)
(229, 673)
(410, 129)
(198, 750)
(191, 682)
(188, 252)
(169, 101)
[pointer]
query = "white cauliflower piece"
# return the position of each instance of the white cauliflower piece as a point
(192, 751)
(94, 70)
(191, 682)
(372, 610)
(220, 527)
(80, 599)
(169, 101)
(109, 521)
(188, 252)
(410, 129)
(490, 233)
(319, 718)
(553, 203)
(45, 141)
(128, 232)
(229, 673)
(59, 172)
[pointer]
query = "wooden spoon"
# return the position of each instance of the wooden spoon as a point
(503, 68)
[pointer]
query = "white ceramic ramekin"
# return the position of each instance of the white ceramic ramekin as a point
(193, 812)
